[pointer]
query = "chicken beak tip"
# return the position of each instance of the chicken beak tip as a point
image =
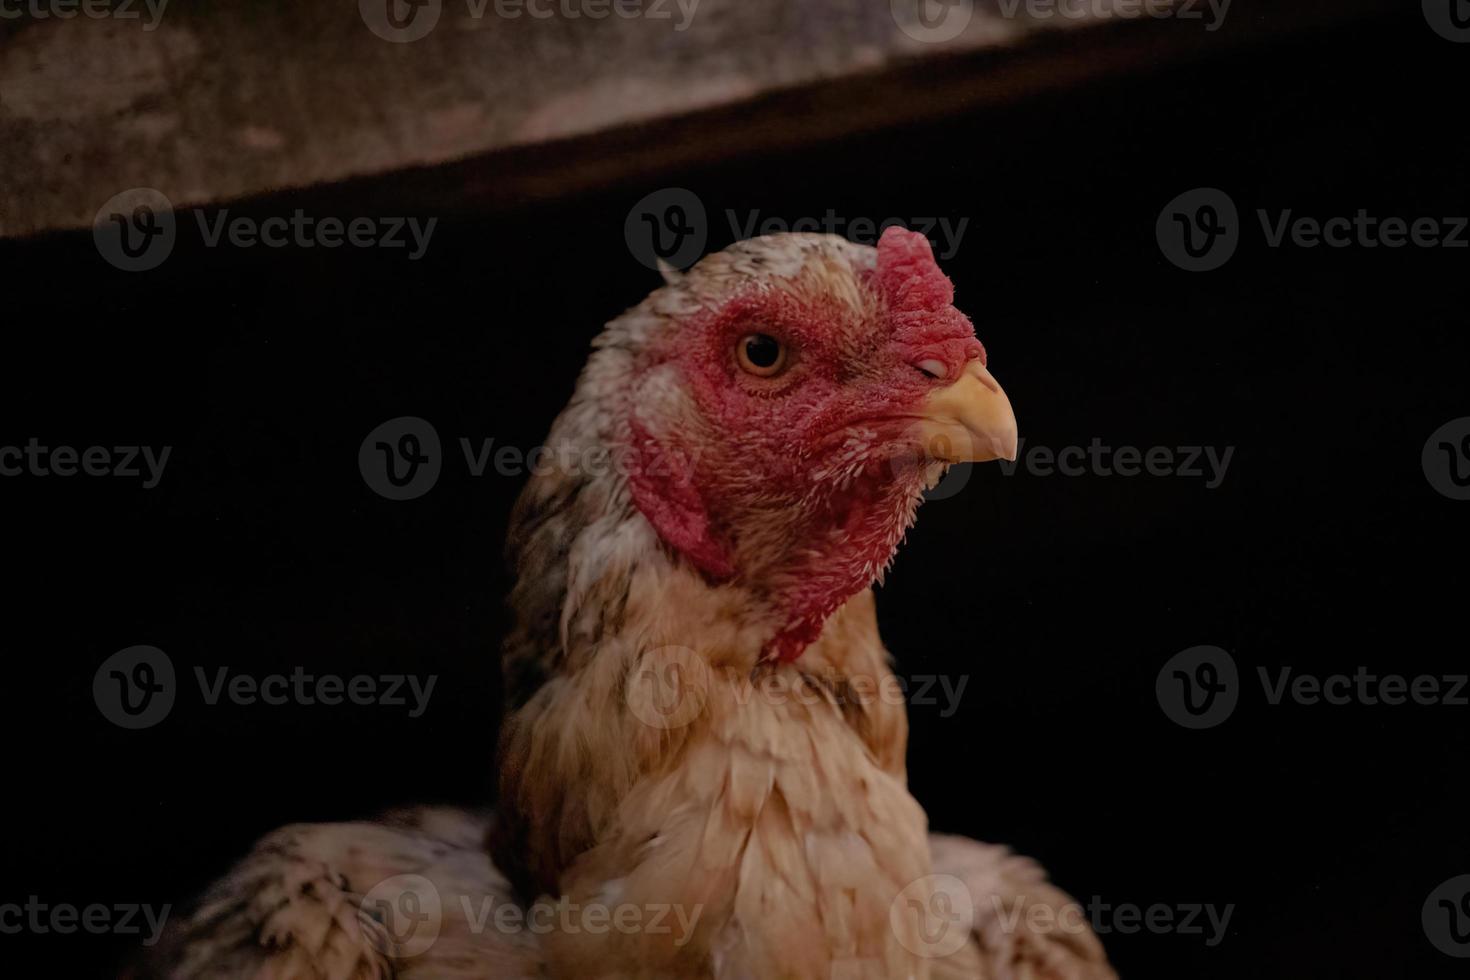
(971, 414)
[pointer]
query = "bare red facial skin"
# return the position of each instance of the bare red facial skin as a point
(802, 483)
(664, 490)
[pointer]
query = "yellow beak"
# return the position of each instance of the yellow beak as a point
(969, 421)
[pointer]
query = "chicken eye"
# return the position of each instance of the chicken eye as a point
(760, 354)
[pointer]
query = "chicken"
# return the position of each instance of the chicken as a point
(700, 775)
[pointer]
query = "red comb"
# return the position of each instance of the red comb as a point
(920, 296)
(908, 273)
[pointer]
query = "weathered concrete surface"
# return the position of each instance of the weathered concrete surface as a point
(243, 97)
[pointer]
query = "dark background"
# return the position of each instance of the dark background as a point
(1325, 548)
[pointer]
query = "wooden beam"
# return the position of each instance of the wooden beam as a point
(492, 107)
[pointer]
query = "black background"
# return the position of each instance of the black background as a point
(1060, 598)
